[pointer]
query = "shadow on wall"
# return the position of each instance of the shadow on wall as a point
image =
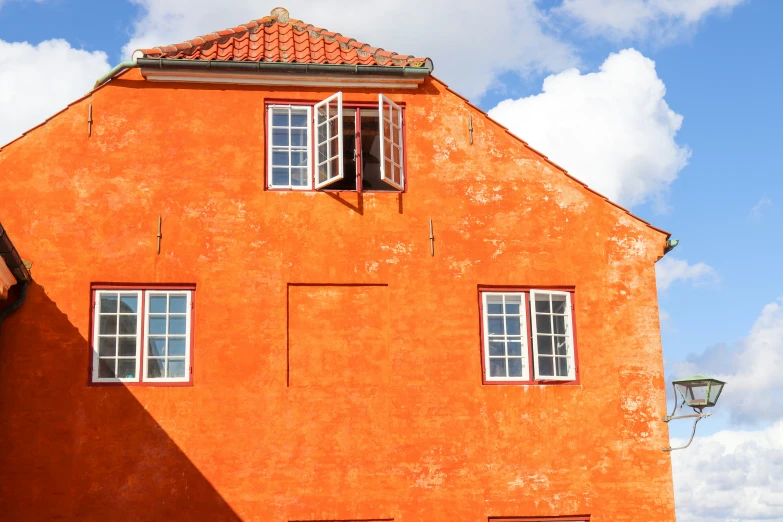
(73, 452)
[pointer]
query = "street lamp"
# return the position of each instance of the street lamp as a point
(697, 392)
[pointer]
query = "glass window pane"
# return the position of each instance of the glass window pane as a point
(543, 323)
(513, 303)
(515, 367)
(514, 348)
(107, 346)
(298, 177)
(176, 368)
(299, 137)
(108, 304)
(298, 159)
(512, 326)
(157, 304)
(497, 367)
(332, 108)
(495, 304)
(562, 366)
(176, 325)
(497, 348)
(280, 117)
(127, 346)
(176, 346)
(323, 153)
(335, 167)
(126, 369)
(177, 304)
(106, 368)
(280, 158)
(544, 344)
(280, 137)
(155, 368)
(542, 303)
(561, 345)
(298, 117)
(157, 346)
(127, 324)
(108, 324)
(559, 304)
(280, 177)
(128, 304)
(546, 366)
(559, 321)
(495, 326)
(157, 325)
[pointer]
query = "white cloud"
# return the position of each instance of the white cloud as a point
(752, 369)
(611, 129)
(670, 269)
(730, 476)
(758, 209)
(640, 19)
(36, 81)
(470, 44)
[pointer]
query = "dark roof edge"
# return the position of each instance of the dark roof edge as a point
(293, 67)
(12, 259)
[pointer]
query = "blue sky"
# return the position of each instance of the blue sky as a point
(704, 152)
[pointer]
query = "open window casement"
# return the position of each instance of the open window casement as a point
(329, 140)
(553, 335)
(391, 142)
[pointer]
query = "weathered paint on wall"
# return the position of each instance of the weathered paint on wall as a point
(425, 440)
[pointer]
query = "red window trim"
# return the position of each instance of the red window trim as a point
(526, 289)
(572, 518)
(141, 287)
(346, 105)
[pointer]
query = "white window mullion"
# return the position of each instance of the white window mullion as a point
(167, 321)
(505, 336)
(390, 132)
(115, 341)
(553, 343)
(328, 116)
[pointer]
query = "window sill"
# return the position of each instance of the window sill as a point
(574, 382)
(135, 384)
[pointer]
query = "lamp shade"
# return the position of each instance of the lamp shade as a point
(699, 391)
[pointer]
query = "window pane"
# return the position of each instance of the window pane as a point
(334, 150)
(108, 304)
(280, 158)
(299, 137)
(543, 324)
(280, 177)
(298, 117)
(559, 304)
(108, 324)
(515, 367)
(562, 366)
(512, 326)
(298, 159)
(332, 108)
(546, 366)
(106, 368)
(128, 304)
(155, 368)
(542, 303)
(494, 304)
(176, 346)
(157, 346)
(176, 325)
(497, 367)
(323, 153)
(157, 304)
(496, 326)
(280, 137)
(514, 348)
(559, 321)
(176, 368)
(107, 346)
(561, 345)
(513, 303)
(497, 348)
(298, 177)
(280, 117)
(127, 346)
(323, 131)
(544, 344)
(158, 324)
(177, 304)
(127, 324)
(126, 369)
(335, 167)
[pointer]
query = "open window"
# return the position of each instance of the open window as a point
(329, 141)
(391, 141)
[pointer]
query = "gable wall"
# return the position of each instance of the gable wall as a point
(425, 440)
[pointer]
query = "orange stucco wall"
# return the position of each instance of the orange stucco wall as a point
(425, 440)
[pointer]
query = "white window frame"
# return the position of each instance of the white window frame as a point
(388, 177)
(188, 316)
(569, 335)
(308, 149)
(524, 337)
(96, 335)
(331, 176)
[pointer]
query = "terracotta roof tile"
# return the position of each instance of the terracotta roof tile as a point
(277, 38)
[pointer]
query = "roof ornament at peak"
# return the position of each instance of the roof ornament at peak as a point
(281, 13)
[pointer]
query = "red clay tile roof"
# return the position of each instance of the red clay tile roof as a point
(276, 38)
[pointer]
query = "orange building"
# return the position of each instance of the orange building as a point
(281, 275)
